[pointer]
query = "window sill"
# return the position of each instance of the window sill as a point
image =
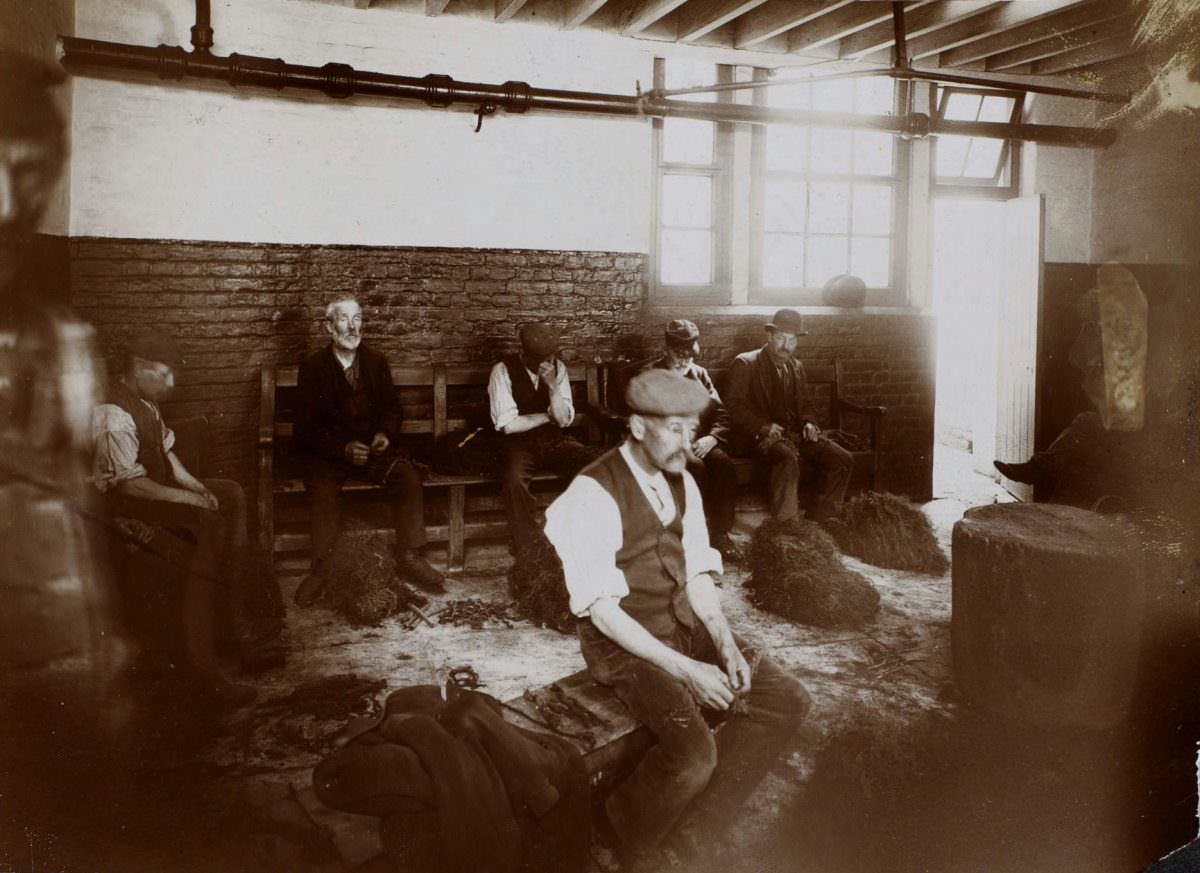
(663, 308)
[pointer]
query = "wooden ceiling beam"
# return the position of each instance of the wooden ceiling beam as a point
(436, 7)
(776, 17)
(1056, 45)
(641, 15)
(917, 23)
(576, 12)
(506, 9)
(363, 4)
(1105, 50)
(1001, 17)
(840, 24)
(704, 16)
(1084, 15)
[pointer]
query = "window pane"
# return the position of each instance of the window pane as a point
(687, 141)
(829, 208)
(872, 209)
(983, 157)
(684, 73)
(686, 257)
(787, 148)
(996, 109)
(830, 151)
(873, 96)
(961, 106)
(872, 154)
(835, 96)
(786, 202)
(951, 154)
(789, 97)
(783, 260)
(869, 260)
(827, 256)
(686, 201)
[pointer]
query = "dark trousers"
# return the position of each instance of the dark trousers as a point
(403, 486)
(524, 455)
(717, 479)
(218, 559)
(691, 777)
(1086, 462)
(823, 463)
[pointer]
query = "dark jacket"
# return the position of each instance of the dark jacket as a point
(748, 396)
(330, 413)
(714, 422)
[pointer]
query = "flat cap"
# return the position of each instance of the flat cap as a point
(664, 392)
(153, 345)
(682, 333)
(788, 321)
(27, 107)
(540, 340)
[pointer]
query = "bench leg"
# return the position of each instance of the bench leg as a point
(456, 548)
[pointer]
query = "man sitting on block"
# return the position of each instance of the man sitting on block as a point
(639, 572)
(767, 397)
(529, 394)
(347, 422)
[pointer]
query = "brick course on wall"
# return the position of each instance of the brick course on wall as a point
(235, 307)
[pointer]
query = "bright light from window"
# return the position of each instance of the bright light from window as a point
(828, 207)
(827, 257)
(783, 260)
(870, 260)
(687, 141)
(686, 201)
(686, 257)
(786, 202)
(872, 209)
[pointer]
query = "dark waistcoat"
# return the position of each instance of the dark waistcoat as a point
(651, 555)
(529, 400)
(149, 433)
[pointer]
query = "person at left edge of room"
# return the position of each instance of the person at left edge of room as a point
(708, 463)
(347, 422)
(142, 478)
(529, 395)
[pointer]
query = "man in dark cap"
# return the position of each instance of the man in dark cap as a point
(141, 477)
(767, 398)
(347, 425)
(529, 394)
(708, 463)
(639, 572)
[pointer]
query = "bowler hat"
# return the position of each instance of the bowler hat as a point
(539, 340)
(153, 345)
(682, 334)
(664, 392)
(788, 321)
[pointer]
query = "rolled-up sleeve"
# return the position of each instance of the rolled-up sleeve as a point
(500, 397)
(114, 437)
(562, 387)
(699, 556)
(584, 526)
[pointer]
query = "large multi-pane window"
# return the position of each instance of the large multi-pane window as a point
(825, 200)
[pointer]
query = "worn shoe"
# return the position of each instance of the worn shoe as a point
(407, 594)
(412, 565)
(729, 550)
(310, 589)
(1027, 472)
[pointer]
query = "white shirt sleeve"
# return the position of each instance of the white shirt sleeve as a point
(699, 557)
(500, 397)
(114, 437)
(584, 526)
(562, 385)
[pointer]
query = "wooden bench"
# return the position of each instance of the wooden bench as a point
(427, 394)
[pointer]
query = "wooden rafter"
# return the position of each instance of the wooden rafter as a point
(1001, 17)
(1057, 24)
(840, 24)
(506, 9)
(776, 17)
(363, 4)
(436, 7)
(698, 18)
(917, 23)
(1056, 45)
(576, 12)
(644, 13)
(1105, 50)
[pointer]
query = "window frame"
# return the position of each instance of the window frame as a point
(1010, 152)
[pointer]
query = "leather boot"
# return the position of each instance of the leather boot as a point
(1027, 472)
(310, 589)
(412, 565)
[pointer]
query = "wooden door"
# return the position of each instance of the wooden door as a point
(1017, 326)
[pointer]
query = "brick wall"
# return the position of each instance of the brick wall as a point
(235, 307)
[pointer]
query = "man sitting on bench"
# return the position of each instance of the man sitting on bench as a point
(639, 572)
(347, 421)
(767, 397)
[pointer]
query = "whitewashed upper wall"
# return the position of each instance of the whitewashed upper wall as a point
(1064, 177)
(161, 161)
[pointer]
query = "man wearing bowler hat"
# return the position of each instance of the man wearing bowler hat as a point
(639, 573)
(708, 462)
(767, 397)
(529, 395)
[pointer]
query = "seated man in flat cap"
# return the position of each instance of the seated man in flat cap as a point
(347, 422)
(639, 572)
(142, 478)
(708, 462)
(529, 394)
(767, 398)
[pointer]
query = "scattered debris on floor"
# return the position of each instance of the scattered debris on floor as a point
(539, 590)
(888, 531)
(475, 613)
(796, 572)
(310, 715)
